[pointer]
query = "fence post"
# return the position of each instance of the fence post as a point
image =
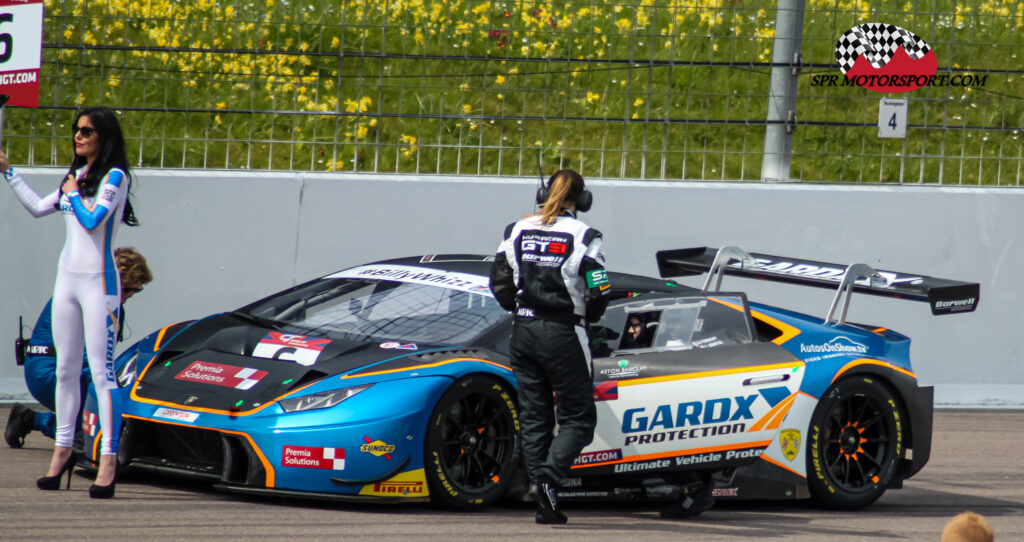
(778, 137)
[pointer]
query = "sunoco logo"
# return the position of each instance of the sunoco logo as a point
(839, 345)
(377, 447)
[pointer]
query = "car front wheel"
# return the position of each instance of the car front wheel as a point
(472, 446)
(856, 440)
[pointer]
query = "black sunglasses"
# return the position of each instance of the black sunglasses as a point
(133, 290)
(85, 131)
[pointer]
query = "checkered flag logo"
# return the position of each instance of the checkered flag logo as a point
(878, 42)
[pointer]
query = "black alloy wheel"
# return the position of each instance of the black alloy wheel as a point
(856, 441)
(472, 444)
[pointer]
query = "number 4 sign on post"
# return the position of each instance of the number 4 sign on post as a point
(21, 45)
(892, 118)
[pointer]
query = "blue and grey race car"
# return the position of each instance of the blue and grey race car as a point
(391, 381)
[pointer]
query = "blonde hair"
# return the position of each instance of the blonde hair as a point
(967, 527)
(563, 188)
(132, 266)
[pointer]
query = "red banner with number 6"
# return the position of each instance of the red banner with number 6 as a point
(21, 44)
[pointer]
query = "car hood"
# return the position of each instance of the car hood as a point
(226, 363)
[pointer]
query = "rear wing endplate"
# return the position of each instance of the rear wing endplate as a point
(943, 295)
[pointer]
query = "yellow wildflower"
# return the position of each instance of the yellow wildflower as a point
(592, 97)
(467, 109)
(638, 102)
(409, 145)
(499, 80)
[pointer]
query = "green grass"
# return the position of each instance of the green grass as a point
(532, 75)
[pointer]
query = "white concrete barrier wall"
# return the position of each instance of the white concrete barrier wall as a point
(218, 240)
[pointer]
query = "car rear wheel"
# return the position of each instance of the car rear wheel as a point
(856, 440)
(472, 444)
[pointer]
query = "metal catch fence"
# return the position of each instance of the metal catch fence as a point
(645, 89)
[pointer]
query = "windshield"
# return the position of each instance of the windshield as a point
(363, 310)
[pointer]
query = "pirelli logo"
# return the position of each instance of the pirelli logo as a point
(399, 488)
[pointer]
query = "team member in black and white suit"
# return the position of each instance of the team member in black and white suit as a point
(550, 271)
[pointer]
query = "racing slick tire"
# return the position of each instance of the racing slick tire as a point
(855, 443)
(472, 444)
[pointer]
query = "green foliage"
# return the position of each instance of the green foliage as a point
(649, 89)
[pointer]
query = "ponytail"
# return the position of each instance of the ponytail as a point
(563, 188)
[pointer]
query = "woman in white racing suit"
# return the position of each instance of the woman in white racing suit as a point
(86, 295)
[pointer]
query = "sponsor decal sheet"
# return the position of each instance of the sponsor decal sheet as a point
(284, 346)
(221, 374)
(419, 275)
(683, 421)
(312, 457)
(405, 484)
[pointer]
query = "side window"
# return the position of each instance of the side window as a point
(676, 323)
(724, 320)
(606, 334)
(640, 330)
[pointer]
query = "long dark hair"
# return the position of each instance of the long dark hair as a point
(112, 155)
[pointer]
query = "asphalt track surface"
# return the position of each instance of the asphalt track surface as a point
(975, 465)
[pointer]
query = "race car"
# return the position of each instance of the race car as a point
(391, 382)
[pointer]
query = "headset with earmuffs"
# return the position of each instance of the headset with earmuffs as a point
(583, 201)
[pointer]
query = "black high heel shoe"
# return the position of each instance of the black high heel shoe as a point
(51, 483)
(104, 492)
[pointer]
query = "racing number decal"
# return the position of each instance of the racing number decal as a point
(283, 346)
(6, 40)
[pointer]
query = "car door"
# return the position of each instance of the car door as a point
(682, 383)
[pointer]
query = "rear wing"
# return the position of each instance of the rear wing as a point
(945, 296)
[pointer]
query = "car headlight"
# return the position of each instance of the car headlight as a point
(126, 374)
(316, 401)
